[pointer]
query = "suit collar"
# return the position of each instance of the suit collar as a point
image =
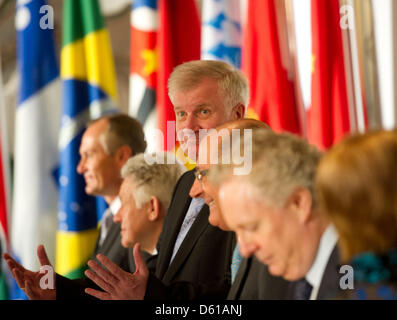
(198, 227)
(329, 286)
(238, 283)
(173, 221)
(111, 238)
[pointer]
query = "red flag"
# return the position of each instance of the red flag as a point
(272, 92)
(3, 199)
(328, 118)
(143, 61)
(178, 42)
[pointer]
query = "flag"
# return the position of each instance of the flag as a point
(4, 194)
(328, 117)
(89, 91)
(178, 42)
(164, 34)
(143, 66)
(34, 215)
(271, 89)
(221, 31)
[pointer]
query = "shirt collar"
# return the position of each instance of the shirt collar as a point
(115, 206)
(327, 244)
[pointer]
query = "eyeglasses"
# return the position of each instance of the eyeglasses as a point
(200, 174)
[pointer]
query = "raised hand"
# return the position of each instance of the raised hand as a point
(116, 283)
(32, 282)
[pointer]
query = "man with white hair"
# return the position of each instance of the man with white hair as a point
(145, 196)
(281, 224)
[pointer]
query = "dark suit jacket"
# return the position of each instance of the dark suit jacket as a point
(201, 267)
(329, 286)
(254, 282)
(111, 248)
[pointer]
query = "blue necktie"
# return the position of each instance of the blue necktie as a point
(303, 290)
(236, 260)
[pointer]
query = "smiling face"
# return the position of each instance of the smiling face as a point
(101, 171)
(135, 225)
(204, 188)
(200, 108)
(274, 235)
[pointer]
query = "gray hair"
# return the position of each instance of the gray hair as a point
(230, 80)
(281, 163)
(154, 179)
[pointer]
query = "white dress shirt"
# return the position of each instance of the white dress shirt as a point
(315, 274)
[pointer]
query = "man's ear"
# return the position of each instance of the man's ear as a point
(238, 111)
(154, 209)
(300, 202)
(123, 154)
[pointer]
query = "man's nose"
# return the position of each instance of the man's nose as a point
(192, 123)
(247, 247)
(196, 190)
(80, 167)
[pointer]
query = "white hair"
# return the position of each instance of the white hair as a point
(152, 179)
(280, 164)
(231, 81)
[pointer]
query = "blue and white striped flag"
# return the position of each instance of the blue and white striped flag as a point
(34, 216)
(221, 31)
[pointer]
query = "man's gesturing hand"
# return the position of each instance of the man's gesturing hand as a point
(29, 281)
(118, 284)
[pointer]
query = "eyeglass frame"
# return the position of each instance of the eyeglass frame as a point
(200, 174)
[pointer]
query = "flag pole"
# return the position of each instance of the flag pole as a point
(346, 43)
(289, 16)
(353, 78)
(368, 61)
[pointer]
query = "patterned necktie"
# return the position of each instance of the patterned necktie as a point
(191, 215)
(236, 261)
(303, 290)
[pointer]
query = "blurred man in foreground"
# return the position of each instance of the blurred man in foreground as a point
(281, 224)
(250, 278)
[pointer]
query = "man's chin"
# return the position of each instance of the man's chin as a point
(125, 244)
(286, 274)
(92, 192)
(274, 269)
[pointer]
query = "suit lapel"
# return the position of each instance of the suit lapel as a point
(198, 227)
(110, 239)
(173, 222)
(330, 282)
(239, 280)
(329, 285)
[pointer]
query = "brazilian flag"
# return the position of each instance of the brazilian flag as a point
(88, 92)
